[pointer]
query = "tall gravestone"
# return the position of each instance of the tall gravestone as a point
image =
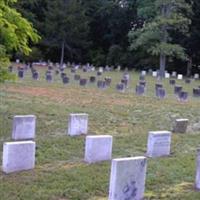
(18, 156)
(127, 179)
(98, 148)
(24, 127)
(78, 124)
(158, 143)
(197, 179)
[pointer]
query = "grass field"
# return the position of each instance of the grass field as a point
(60, 172)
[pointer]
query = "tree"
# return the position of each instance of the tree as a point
(15, 34)
(154, 35)
(66, 28)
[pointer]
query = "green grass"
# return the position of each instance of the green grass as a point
(60, 171)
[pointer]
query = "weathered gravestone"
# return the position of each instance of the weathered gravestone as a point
(140, 89)
(172, 82)
(197, 179)
(23, 127)
(99, 73)
(183, 96)
(125, 82)
(174, 74)
(77, 77)
(127, 179)
(158, 143)
(18, 156)
(63, 74)
(177, 89)
(160, 93)
(21, 73)
(78, 124)
(142, 78)
(83, 82)
(142, 83)
(35, 75)
(180, 125)
(108, 81)
(98, 148)
(120, 87)
(92, 79)
(65, 80)
(101, 84)
(196, 92)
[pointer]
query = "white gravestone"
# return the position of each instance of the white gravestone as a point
(143, 73)
(154, 74)
(180, 77)
(18, 156)
(23, 127)
(127, 180)
(78, 124)
(180, 125)
(167, 75)
(197, 180)
(196, 76)
(158, 143)
(98, 148)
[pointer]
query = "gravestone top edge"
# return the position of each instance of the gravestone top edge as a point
(99, 136)
(19, 142)
(160, 132)
(129, 158)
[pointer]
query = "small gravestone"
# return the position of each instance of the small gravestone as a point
(143, 73)
(18, 156)
(108, 81)
(78, 124)
(172, 82)
(197, 179)
(125, 82)
(21, 73)
(65, 80)
(83, 82)
(167, 75)
(127, 179)
(35, 75)
(98, 148)
(188, 81)
(150, 71)
(77, 77)
(23, 127)
(158, 143)
(177, 89)
(180, 125)
(179, 76)
(196, 92)
(120, 87)
(92, 79)
(142, 83)
(49, 77)
(174, 74)
(99, 73)
(196, 76)
(101, 84)
(154, 74)
(140, 89)
(160, 93)
(183, 96)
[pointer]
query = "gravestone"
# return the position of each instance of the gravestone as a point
(197, 179)
(120, 87)
(140, 89)
(125, 82)
(35, 75)
(179, 76)
(142, 83)
(167, 75)
(92, 79)
(196, 92)
(177, 89)
(21, 73)
(180, 125)
(83, 82)
(174, 74)
(160, 93)
(143, 73)
(77, 77)
(62, 75)
(108, 81)
(154, 73)
(158, 85)
(142, 78)
(23, 127)
(196, 76)
(158, 143)
(18, 156)
(188, 81)
(49, 77)
(183, 96)
(98, 148)
(99, 73)
(77, 124)
(65, 80)
(172, 82)
(127, 179)
(101, 84)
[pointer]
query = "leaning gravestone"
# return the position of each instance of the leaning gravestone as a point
(127, 179)
(180, 125)
(18, 156)
(197, 180)
(24, 127)
(158, 143)
(98, 148)
(78, 124)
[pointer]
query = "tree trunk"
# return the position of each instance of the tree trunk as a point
(189, 67)
(62, 53)
(162, 65)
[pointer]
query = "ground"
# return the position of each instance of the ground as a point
(60, 172)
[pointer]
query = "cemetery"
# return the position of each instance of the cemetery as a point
(99, 100)
(89, 143)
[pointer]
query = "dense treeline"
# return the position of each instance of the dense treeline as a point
(130, 33)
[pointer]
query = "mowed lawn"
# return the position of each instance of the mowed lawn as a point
(61, 173)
